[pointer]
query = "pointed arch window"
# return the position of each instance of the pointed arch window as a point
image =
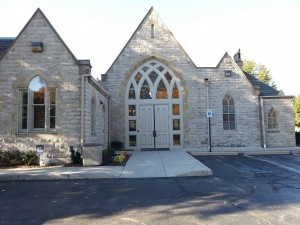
(228, 113)
(175, 93)
(162, 92)
(131, 94)
(272, 119)
(152, 31)
(145, 91)
(37, 107)
(153, 84)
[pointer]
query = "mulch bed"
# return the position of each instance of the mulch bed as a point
(110, 162)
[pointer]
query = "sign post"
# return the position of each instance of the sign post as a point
(209, 115)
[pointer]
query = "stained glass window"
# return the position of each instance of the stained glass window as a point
(175, 93)
(161, 92)
(132, 125)
(132, 140)
(145, 91)
(153, 76)
(176, 124)
(168, 77)
(138, 77)
(175, 109)
(131, 92)
(132, 110)
(160, 68)
(145, 69)
(176, 139)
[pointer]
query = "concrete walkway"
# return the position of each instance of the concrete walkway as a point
(163, 164)
(140, 165)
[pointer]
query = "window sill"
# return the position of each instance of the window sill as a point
(40, 135)
(273, 131)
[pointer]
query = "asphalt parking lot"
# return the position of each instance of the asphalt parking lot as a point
(243, 190)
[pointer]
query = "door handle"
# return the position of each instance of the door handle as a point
(154, 133)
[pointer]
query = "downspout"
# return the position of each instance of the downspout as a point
(108, 122)
(82, 109)
(206, 83)
(263, 122)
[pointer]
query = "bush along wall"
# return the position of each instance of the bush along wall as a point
(297, 138)
(16, 157)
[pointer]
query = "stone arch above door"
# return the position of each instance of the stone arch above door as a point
(153, 108)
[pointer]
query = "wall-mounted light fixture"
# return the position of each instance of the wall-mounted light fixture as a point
(37, 46)
(227, 73)
(206, 81)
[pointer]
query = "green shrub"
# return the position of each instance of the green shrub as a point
(10, 158)
(28, 157)
(107, 153)
(297, 138)
(75, 156)
(117, 145)
(15, 157)
(120, 158)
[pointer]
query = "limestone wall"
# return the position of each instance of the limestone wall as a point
(246, 105)
(166, 49)
(140, 49)
(58, 67)
(284, 134)
(97, 134)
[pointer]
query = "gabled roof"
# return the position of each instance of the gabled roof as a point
(5, 43)
(39, 11)
(265, 90)
(226, 55)
(137, 29)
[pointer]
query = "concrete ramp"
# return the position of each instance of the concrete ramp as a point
(163, 164)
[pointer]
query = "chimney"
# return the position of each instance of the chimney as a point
(84, 67)
(238, 59)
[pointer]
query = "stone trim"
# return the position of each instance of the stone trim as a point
(97, 87)
(92, 145)
(278, 97)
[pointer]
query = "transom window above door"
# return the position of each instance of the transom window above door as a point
(153, 81)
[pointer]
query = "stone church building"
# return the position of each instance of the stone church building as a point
(152, 97)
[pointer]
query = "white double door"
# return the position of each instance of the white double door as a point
(154, 126)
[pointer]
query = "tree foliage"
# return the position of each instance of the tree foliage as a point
(261, 72)
(297, 110)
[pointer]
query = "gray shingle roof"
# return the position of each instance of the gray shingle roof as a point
(5, 43)
(265, 90)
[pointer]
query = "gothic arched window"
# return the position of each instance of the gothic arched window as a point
(37, 107)
(272, 121)
(228, 113)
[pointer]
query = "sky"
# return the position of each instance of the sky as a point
(266, 31)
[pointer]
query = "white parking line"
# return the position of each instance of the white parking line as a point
(275, 164)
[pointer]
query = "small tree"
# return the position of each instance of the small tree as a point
(261, 72)
(297, 110)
